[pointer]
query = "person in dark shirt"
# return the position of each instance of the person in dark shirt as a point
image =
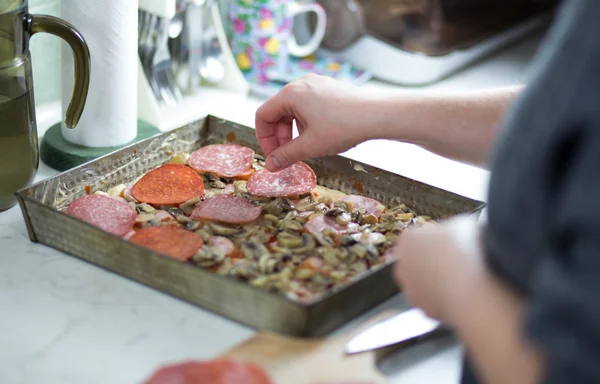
(522, 290)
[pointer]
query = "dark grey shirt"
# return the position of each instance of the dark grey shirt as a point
(543, 231)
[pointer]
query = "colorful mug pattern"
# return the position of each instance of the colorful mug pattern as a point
(262, 38)
(317, 63)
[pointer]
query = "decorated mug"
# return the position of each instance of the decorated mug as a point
(262, 35)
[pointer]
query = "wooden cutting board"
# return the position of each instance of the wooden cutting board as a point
(290, 360)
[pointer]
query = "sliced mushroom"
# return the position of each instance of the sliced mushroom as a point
(189, 205)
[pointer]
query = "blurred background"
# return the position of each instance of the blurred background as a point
(391, 43)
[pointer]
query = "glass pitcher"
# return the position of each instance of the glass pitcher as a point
(19, 154)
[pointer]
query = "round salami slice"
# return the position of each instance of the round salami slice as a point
(372, 206)
(112, 214)
(169, 240)
(170, 184)
(294, 180)
(224, 245)
(227, 209)
(218, 371)
(320, 223)
(226, 160)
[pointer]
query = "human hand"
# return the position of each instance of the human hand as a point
(438, 264)
(331, 117)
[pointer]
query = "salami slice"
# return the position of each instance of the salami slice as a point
(169, 240)
(111, 214)
(320, 223)
(372, 206)
(219, 371)
(170, 184)
(294, 180)
(227, 209)
(226, 160)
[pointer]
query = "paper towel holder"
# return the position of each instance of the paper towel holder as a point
(62, 148)
(62, 155)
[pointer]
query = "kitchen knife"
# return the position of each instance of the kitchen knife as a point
(403, 327)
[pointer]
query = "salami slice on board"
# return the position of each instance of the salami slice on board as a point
(226, 209)
(169, 240)
(226, 160)
(170, 184)
(112, 214)
(294, 180)
(219, 371)
(372, 206)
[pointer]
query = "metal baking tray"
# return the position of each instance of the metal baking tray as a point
(41, 204)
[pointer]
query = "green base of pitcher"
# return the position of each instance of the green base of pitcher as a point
(60, 154)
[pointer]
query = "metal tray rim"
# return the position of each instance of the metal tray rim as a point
(315, 301)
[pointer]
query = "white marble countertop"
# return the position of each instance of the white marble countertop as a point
(65, 321)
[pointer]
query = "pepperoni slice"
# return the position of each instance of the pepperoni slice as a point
(170, 184)
(294, 180)
(111, 214)
(169, 240)
(246, 175)
(372, 206)
(227, 209)
(320, 223)
(226, 160)
(225, 245)
(219, 371)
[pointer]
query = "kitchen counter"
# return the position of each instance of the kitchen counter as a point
(65, 321)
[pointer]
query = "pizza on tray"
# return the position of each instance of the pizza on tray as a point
(220, 209)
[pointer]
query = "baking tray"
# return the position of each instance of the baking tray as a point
(41, 204)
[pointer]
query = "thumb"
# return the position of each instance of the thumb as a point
(290, 153)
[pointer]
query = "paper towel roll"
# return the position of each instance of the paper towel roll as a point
(110, 30)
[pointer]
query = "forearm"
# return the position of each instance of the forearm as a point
(490, 322)
(459, 126)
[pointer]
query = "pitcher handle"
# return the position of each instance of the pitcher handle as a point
(81, 53)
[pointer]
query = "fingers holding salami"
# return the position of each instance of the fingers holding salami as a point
(295, 180)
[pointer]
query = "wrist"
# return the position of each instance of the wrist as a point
(400, 117)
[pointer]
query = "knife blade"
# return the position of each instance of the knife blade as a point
(403, 327)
